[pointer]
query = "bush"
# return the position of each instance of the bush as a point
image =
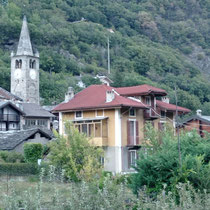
(161, 165)
(18, 169)
(76, 155)
(33, 152)
(11, 157)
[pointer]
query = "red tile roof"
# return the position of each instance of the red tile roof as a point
(140, 90)
(171, 107)
(93, 97)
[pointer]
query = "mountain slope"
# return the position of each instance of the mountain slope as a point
(163, 43)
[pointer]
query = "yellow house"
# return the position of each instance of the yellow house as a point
(114, 118)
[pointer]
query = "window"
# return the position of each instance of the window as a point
(148, 100)
(132, 112)
(132, 155)
(30, 64)
(78, 114)
(30, 122)
(42, 122)
(18, 64)
(163, 114)
(92, 128)
(84, 129)
(131, 132)
(34, 64)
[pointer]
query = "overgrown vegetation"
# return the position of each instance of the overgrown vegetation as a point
(33, 152)
(155, 42)
(55, 194)
(11, 157)
(75, 154)
(76, 181)
(160, 164)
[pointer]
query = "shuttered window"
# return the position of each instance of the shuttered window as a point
(132, 132)
(132, 157)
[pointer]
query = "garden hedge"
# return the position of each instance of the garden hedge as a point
(18, 169)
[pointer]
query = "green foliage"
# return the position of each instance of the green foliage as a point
(161, 165)
(11, 157)
(60, 195)
(18, 169)
(76, 155)
(32, 152)
(147, 47)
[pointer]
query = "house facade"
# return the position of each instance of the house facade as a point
(198, 122)
(114, 118)
(10, 116)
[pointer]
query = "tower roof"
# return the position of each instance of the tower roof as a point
(24, 45)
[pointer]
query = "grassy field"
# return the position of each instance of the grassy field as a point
(27, 193)
(19, 186)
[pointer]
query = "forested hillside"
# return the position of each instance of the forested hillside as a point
(165, 43)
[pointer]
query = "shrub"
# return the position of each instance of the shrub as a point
(18, 169)
(76, 155)
(11, 157)
(33, 152)
(161, 165)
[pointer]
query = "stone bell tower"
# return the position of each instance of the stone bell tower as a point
(25, 68)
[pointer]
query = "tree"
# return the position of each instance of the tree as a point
(74, 153)
(160, 166)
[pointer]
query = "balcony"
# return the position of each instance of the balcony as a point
(10, 128)
(99, 141)
(9, 118)
(151, 114)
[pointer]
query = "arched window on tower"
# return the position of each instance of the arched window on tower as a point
(20, 64)
(34, 64)
(16, 64)
(30, 64)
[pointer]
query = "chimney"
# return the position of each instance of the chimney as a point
(165, 99)
(198, 112)
(69, 95)
(110, 95)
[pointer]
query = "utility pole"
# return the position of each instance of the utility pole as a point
(108, 54)
(178, 134)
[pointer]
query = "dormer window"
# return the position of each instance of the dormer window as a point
(78, 114)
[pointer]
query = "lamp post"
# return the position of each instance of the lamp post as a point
(108, 52)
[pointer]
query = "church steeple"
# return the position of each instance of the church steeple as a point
(25, 69)
(24, 45)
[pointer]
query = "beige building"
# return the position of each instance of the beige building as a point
(114, 118)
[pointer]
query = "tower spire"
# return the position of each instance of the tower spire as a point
(24, 45)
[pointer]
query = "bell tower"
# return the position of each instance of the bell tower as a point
(25, 68)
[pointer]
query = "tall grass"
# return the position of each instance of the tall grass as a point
(57, 195)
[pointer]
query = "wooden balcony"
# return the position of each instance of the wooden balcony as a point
(151, 114)
(9, 118)
(99, 141)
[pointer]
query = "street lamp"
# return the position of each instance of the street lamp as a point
(108, 53)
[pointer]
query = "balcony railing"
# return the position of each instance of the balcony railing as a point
(150, 113)
(10, 129)
(9, 118)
